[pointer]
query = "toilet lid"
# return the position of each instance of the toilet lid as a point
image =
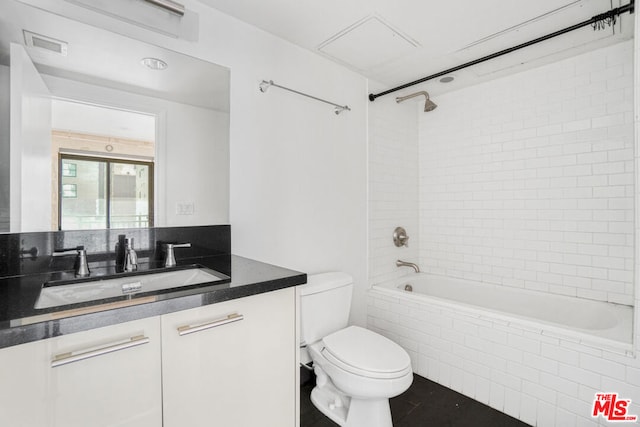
(364, 352)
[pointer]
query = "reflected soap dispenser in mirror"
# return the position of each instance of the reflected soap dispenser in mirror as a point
(130, 256)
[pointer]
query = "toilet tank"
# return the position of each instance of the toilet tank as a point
(325, 302)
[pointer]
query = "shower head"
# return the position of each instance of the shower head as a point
(429, 105)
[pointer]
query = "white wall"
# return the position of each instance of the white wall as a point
(298, 171)
(393, 186)
(30, 148)
(4, 150)
(192, 153)
(203, 178)
(528, 180)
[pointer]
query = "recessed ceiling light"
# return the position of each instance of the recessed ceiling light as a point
(154, 64)
(447, 79)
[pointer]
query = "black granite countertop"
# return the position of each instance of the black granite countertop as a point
(20, 322)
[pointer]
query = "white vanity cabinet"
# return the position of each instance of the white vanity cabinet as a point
(231, 363)
(23, 385)
(226, 364)
(101, 377)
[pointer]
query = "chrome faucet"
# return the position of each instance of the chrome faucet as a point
(82, 267)
(170, 257)
(130, 256)
(400, 263)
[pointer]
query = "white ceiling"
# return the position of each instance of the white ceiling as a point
(104, 58)
(395, 42)
(96, 120)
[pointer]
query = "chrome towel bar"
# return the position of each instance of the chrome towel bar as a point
(264, 85)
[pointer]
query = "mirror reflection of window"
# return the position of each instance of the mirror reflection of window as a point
(105, 193)
(69, 169)
(102, 162)
(87, 208)
(130, 196)
(69, 191)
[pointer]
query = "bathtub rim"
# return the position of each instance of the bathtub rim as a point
(546, 329)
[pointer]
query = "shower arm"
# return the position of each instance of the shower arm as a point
(413, 95)
(592, 21)
(429, 105)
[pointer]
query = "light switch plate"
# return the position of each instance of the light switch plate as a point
(185, 208)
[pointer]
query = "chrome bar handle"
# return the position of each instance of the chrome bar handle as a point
(71, 357)
(190, 329)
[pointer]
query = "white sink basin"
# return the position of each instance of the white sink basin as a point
(54, 296)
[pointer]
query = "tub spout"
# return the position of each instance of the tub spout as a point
(400, 263)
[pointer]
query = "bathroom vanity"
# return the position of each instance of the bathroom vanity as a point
(220, 353)
(144, 373)
(209, 353)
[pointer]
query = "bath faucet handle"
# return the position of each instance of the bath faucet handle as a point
(170, 257)
(82, 267)
(400, 237)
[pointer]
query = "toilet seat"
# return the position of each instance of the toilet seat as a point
(365, 353)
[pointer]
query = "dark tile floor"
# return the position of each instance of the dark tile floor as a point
(425, 404)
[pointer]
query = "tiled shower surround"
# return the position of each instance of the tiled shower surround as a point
(393, 186)
(524, 181)
(528, 180)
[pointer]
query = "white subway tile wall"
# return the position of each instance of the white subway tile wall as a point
(393, 186)
(528, 180)
(524, 181)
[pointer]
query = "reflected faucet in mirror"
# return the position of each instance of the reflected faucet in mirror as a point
(81, 265)
(170, 257)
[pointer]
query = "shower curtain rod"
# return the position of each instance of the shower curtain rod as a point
(611, 14)
(264, 85)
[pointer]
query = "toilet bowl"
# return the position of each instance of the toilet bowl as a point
(357, 370)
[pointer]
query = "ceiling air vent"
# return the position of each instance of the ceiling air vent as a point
(43, 42)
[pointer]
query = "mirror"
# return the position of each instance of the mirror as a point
(95, 92)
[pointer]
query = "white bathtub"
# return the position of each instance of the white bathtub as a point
(547, 312)
(535, 356)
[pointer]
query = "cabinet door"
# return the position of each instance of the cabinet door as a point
(107, 376)
(23, 385)
(103, 377)
(231, 363)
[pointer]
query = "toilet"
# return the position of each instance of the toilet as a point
(357, 370)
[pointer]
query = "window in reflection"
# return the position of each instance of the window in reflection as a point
(102, 162)
(105, 193)
(69, 191)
